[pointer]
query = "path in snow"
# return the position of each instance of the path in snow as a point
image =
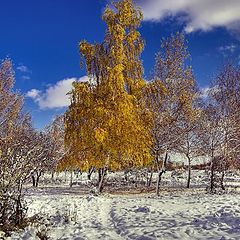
(142, 217)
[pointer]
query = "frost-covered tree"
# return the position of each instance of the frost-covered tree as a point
(170, 97)
(55, 134)
(225, 98)
(190, 144)
(211, 138)
(15, 149)
(42, 155)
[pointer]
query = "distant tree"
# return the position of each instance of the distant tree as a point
(170, 97)
(189, 145)
(225, 96)
(211, 138)
(55, 134)
(106, 126)
(42, 156)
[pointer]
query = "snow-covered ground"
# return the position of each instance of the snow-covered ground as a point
(72, 213)
(171, 216)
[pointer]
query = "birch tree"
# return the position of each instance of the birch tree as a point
(106, 125)
(226, 97)
(170, 97)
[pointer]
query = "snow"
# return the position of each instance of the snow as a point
(71, 213)
(182, 159)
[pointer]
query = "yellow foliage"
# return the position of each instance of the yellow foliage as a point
(106, 124)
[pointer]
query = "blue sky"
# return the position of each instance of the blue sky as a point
(41, 37)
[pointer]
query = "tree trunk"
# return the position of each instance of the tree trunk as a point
(71, 179)
(33, 180)
(52, 176)
(211, 176)
(189, 172)
(136, 179)
(160, 173)
(90, 171)
(222, 179)
(65, 176)
(38, 177)
(126, 176)
(99, 175)
(102, 178)
(150, 179)
(158, 182)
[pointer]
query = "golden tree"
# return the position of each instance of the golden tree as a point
(106, 125)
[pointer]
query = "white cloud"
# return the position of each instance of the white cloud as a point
(33, 93)
(55, 96)
(206, 91)
(228, 48)
(25, 77)
(199, 14)
(24, 69)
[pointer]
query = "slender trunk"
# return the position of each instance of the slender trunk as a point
(52, 176)
(126, 176)
(160, 173)
(90, 171)
(19, 212)
(211, 176)
(222, 180)
(33, 180)
(136, 179)
(102, 178)
(159, 178)
(99, 175)
(71, 179)
(65, 172)
(38, 177)
(150, 179)
(189, 172)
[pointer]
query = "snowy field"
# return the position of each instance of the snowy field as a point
(71, 213)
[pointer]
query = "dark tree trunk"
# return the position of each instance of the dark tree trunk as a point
(150, 179)
(126, 176)
(52, 176)
(90, 171)
(212, 176)
(33, 180)
(222, 180)
(136, 179)
(189, 172)
(37, 178)
(99, 175)
(71, 179)
(160, 173)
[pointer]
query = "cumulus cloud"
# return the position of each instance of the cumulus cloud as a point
(199, 14)
(55, 96)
